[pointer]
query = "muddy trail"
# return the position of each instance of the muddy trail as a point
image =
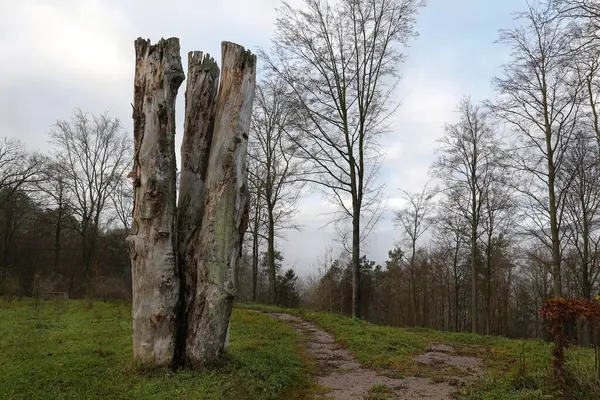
(341, 376)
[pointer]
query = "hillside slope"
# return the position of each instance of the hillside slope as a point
(513, 369)
(65, 349)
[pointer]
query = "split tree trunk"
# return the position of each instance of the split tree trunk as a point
(158, 75)
(200, 96)
(184, 259)
(218, 241)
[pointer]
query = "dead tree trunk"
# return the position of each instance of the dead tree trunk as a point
(184, 258)
(219, 238)
(200, 96)
(158, 76)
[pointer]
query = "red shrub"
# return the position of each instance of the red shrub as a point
(558, 312)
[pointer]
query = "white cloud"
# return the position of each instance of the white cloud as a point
(79, 39)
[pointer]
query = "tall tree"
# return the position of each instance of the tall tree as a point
(340, 61)
(256, 220)
(275, 169)
(585, 53)
(539, 99)
(18, 167)
(450, 234)
(415, 219)
(53, 187)
(498, 223)
(582, 207)
(93, 155)
(586, 10)
(122, 203)
(468, 153)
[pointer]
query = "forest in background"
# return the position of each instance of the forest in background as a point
(509, 218)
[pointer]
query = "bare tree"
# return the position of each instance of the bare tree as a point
(53, 188)
(586, 10)
(539, 100)
(585, 53)
(92, 155)
(498, 223)
(122, 203)
(340, 61)
(256, 219)
(582, 205)
(468, 154)
(18, 167)
(275, 168)
(450, 234)
(415, 219)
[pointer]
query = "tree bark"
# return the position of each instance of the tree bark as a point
(200, 97)
(255, 257)
(58, 227)
(156, 285)
(416, 315)
(356, 263)
(554, 232)
(474, 223)
(220, 236)
(488, 257)
(87, 259)
(271, 257)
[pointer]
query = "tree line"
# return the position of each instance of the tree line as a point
(508, 219)
(64, 215)
(510, 215)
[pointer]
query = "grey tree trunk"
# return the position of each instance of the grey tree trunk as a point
(356, 263)
(271, 257)
(200, 97)
(255, 258)
(218, 241)
(473, 278)
(156, 285)
(184, 258)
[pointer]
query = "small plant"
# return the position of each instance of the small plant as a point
(60, 305)
(37, 306)
(522, 361)
(379, 392)
(88, 303)
(522, 380)
(597, 351)
(380, 389)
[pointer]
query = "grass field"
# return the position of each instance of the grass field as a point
(62, 350)
(515, 369)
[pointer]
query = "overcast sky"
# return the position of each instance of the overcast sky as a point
(56, 55)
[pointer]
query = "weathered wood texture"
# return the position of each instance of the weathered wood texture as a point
(200, 99)
(184, 258)
(156, 287)
(218, 241)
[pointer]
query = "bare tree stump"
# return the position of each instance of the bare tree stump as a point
(218, 241)
(200, 98)
(156, 285)
(184, 258)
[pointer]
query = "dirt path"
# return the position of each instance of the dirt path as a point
(342, 377)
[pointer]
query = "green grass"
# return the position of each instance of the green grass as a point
(390, 348)
(63, 350)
